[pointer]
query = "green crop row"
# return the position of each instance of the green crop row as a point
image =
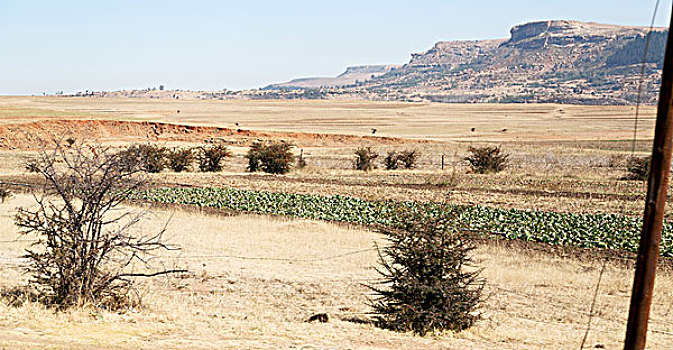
(611, 231)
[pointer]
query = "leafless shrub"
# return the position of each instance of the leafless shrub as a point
(85, 251)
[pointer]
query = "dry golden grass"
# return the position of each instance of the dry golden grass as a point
(231, 299)
(560, 154)
(523, 122)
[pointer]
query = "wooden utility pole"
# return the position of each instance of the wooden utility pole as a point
(657, 185)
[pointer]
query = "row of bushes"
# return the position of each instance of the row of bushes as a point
(277, 158)
(270, 157)
(154, 158)
(482, 160)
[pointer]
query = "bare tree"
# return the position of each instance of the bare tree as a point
(85, 250)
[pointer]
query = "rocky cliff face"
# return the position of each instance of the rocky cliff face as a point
(546, 61)
(557, 61)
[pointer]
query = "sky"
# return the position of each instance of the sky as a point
(70, 46)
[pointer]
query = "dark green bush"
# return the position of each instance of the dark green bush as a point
(211, 157)
(488, 159)
(253, 156)
(638, 168)
(272, 157)
(408, 158)
(391, 161)
(425, 286)
(180, 159)
(148, 157)
(364, 159)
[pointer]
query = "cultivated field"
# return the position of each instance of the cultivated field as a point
(564, 159)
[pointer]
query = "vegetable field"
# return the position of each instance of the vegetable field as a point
(612, 231)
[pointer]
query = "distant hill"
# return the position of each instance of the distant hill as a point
(558, 61)
(547, 61)
(351, 76)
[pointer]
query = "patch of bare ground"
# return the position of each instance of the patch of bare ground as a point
(27, 135)
(255, 280)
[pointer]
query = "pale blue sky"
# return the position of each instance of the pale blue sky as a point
(46, 46)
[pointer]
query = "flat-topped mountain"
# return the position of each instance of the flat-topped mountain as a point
(556, 61)
(545, 61)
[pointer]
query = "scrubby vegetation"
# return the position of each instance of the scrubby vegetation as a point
(638, 168)
(364, 159)
(4, 194)
(408, 158)
(632, 52)
(425, 286)
(487, 159)
(391, 161)
(271, 157)
(151, 158)
(211, 157)
(85, 252)
(180, 159)
(402, 159)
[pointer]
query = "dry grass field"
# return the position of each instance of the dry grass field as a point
(398, 119)
(254, 280)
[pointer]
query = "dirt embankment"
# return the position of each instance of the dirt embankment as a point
(27, 136)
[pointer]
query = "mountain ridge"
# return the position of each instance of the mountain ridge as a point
(542, 61)
(550, 61)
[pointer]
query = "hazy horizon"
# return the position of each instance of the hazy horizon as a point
(209, 45)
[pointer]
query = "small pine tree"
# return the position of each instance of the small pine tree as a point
(425, 286)
(301, 162)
